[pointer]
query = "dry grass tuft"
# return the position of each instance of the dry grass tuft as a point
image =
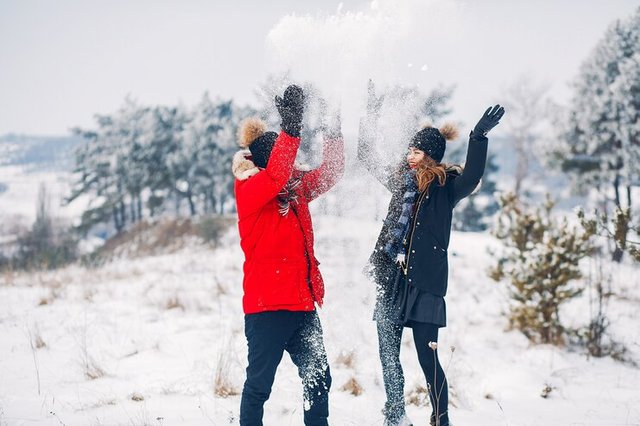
(347, 359)
(223, 387)
(353, 387)
(221, 289)
(88, 293)
(418, 396)
(8, 277)
(37, 342)
(52, 285)
(92, 370)
(54, 293)
(174, 302)
(546, 391)
(90, 367)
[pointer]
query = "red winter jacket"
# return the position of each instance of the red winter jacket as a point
(280, 269)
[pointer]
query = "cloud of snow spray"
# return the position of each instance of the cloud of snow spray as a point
(394, 42)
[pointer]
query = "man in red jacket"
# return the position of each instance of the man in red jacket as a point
(282, 282)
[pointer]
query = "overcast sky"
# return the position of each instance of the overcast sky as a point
(63, 61)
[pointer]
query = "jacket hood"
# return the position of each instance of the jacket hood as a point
(243, 167)
(454, 169)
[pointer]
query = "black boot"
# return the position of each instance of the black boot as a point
(395, 416)
(444, 420)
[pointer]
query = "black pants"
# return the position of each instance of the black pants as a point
(269, 334)
(389, 339)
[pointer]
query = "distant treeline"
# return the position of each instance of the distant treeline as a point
(142, 161)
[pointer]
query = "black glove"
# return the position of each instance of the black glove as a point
(489, 120)
(291, 107)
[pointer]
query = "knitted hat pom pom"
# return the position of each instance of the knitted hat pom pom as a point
(449, 131)
(249, 130)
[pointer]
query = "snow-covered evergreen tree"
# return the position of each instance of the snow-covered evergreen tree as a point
(144, 160)
(96, 177)
(602, 132)
(211, 133)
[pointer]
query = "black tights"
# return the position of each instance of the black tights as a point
(389, 337)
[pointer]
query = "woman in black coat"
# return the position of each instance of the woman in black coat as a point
(409, 262)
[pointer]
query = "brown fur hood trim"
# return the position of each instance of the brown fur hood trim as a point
(243, 168)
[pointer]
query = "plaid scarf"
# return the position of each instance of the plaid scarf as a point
(288, 195)
(397, 235)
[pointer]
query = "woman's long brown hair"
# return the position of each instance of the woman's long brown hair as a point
(427, 171)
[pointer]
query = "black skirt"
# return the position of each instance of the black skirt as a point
(403, 304)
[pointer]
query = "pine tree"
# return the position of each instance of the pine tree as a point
(212, 131)
(95, 176)
(144, 160)
(540, 259)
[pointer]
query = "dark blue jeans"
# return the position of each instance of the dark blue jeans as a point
(389, 339)
(269, 334)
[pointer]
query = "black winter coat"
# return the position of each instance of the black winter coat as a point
(427, 261)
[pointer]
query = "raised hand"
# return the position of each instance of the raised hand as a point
(374, 103)
(489, 120)
(291, 107)
(334, 129)
(330, 122)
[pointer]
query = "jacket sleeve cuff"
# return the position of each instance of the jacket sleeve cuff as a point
(287, 138)
(476, 137)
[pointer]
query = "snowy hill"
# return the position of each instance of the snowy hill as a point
(27, 163)
(53, 153)
(145, 340)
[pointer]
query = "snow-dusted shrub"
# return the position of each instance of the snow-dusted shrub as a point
(540, 259)
(49, 244)
(595, 337)
(616, 229)
(211, 228)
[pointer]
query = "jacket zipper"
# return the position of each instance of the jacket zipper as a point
(405, 266)
(306, 254)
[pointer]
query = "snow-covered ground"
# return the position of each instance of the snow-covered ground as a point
(139, 341)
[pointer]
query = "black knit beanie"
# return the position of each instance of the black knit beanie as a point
(431, 141)
(261, 148)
